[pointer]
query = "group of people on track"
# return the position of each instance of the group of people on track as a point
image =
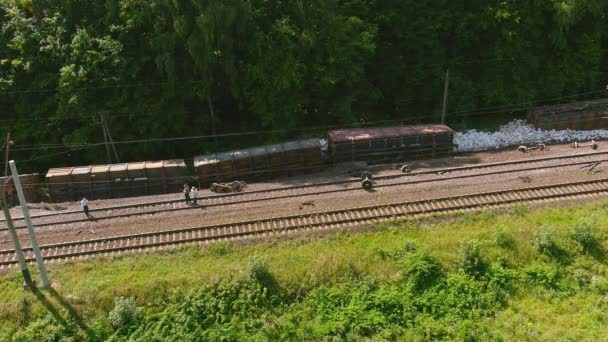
(190, 194)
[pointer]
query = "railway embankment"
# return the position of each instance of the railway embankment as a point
(524, 273)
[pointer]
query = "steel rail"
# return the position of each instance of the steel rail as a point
(322, 192)
(318, 220)
(340, 182)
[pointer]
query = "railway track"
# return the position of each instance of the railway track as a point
(307, 222)
(331, 187)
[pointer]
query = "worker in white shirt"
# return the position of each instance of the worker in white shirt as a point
(84, 204)
(194, 192)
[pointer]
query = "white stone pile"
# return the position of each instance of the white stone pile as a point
(519, 132)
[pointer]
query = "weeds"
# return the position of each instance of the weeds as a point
(543, 240)
(502, 238)
(583, 233)
(469, 258)
(520, 209)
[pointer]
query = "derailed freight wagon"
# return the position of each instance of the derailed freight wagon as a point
(286, 159)
(390, 144)
(30, 184)
(584, 115)
(116, 180)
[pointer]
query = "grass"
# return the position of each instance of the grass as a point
(85, 292)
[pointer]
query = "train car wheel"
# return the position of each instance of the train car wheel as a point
(366, 175)
(367, 184)
(406, 169)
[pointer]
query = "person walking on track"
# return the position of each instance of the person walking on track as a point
(187, 193)
(84, 204)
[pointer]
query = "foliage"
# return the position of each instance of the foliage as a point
(258, 271)
(224, 311)
(501, 237)
(583, 233)
(520, 294)
(421, 269)
(164, 68)
(124, 313)
(469, 258)
(543, 239)
(46, 329)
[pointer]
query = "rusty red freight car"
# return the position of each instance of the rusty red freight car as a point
(390, 144)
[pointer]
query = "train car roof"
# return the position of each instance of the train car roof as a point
(256, 151)
(357, 134)
(97, 169)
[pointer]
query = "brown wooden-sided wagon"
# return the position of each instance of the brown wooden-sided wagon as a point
(584, 115)
(390, 144)
(116, 180)
(263, 162)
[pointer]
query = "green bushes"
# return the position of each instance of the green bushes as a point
(469, 258)
(421, 269)
(583, 233)
(543, 240)
(502, 238)
(124, 313)
(47, 329)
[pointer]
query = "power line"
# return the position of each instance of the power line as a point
(256, 132)
(529, 102)
(124, 85)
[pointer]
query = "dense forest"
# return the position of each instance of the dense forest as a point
(159, 69)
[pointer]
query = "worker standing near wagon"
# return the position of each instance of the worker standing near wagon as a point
(187, 193)
(194, 192)
(84, 204)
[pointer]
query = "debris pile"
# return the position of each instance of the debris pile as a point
(519, 132)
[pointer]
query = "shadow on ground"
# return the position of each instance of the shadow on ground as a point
(55, 304)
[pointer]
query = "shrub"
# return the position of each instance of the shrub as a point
(541, 275)
(47, 329)
(583, 233)
(410, 245)
(258, 271)
(421, 269)
(543, 240)
(469, 258)
(502, 238)
(124, 312)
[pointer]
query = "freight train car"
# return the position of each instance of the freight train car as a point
(390, 144)
(372, 145)
(30, 184)
(585, 115)
(290, 158)
(116, 180)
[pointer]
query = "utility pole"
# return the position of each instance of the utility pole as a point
(445, 95)
(212, 113)
(108, 137)
(30, 227)
(27, 277)
(105, 138)
(8, 146)
(105, 124)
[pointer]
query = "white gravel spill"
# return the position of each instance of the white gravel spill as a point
(519, 132)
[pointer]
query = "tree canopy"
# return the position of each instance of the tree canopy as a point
(177, 68)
